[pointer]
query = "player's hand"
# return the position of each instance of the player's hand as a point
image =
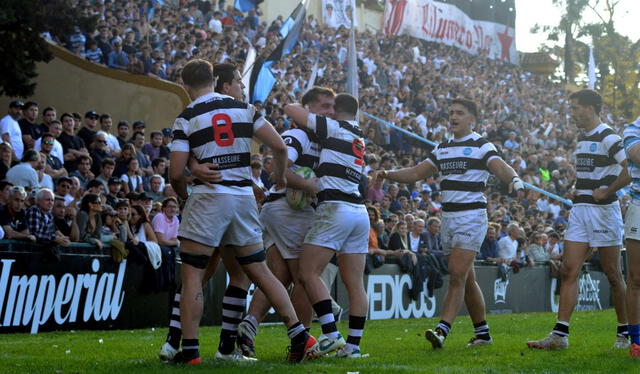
(600, 194)
(379, 175)
(311, 187)
(516, 184)
(206, 173)
(280, 181)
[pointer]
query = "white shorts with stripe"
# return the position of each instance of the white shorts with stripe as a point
(285, 227)
(465, 230)
(598, 225)
(341, 226)
(632, 221)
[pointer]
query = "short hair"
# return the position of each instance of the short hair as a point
(346, 103)
(469, 105)
(94, 183)
(314, 94)
(85, 157)
(587, 97)
(157, 161)
(47, 135)
(107, 161)
(122, 203)
(156, 133)
(168, 200)
(136, 134)
(31, 155)
(65, 115)
(433, 220)
(123, 123)
(156, 176)
(104, 116)
(197, 73)
(41, 192)
(48, 109)
(29, 104)
(224, 73)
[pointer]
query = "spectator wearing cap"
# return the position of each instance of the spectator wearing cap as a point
(143, 160)
(54, 130)
(89, 128)
(139, 126)
(99, 151)
(53, 166)
(154, 148)
(146, 202)
(12, 216)
(165, 224)
(64, 218)
(118, 59)
(40, 221)
(72, 145)
(113, 145)
(167, 138)
(28, 126)
(107, 166)
(123, 134)
(113, 191)
(10, 129)
(83, 173)
(24, 174)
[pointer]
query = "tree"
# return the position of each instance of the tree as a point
(22, 22)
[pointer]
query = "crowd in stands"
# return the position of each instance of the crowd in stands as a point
(526, 116)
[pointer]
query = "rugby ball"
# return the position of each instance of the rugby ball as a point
(298, 199)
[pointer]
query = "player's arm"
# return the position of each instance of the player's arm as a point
(270, 137)
(423, 170)
(297, 113)
(505, 173)
(617, 151)
(176, 172)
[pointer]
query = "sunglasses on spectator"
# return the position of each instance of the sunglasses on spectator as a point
(48, 142)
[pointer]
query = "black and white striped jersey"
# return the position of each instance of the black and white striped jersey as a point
(463, 166)
(302, 152)
(598, 157)
(341, 158)
(218, 128)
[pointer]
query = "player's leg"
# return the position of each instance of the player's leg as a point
(299, 297)
(474, 300)
(610, 261)
(573, 258)
(460, 262)
(352, 271)
(633, 295)
(328, 276)
(234, 304)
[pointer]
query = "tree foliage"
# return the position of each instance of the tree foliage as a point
(22, 22)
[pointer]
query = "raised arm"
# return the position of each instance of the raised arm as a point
(298, 113)
(505, 173)
(423, 170)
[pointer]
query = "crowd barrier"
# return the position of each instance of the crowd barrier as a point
(86, 289)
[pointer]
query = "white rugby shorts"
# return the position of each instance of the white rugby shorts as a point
(341, 226)
(217, 220)
(598, 225)
(285, 227)
(632, 221)
(465, 230)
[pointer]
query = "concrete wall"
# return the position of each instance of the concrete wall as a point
(72, 84)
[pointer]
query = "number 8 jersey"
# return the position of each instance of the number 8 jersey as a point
(341, 158)
(218, 129)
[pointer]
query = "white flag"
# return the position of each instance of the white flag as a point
(592, 69)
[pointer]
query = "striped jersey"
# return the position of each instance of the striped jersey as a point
(598, 156)
(301, 151)
(631, 138)
(463, 166)
(341, 158)
(218, 128)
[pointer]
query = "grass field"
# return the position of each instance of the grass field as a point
(395, 346)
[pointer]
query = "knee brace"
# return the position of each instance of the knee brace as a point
(258, 256)
(197, 261)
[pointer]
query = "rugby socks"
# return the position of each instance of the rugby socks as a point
(190, 349)
(251, 322)
(634, 334)
(443, 328)
(297, 334)
(175, 327)
(233, 306)
(481, 330)
(623, 331)
(356, 327)
(326, 318)
(561, 328)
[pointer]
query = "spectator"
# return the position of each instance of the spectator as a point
(90, 128)
(6, 158)
(139, 227)
(159, 166)
(123, 134)
(113, 145)
(508, 245)
(156, 188)
(83, 173)
(122, 163)
(167, 138)
(72, 145)
(154, 149)
(418, 237)
(44, 180)
(93, 53)
(12, 216)
(375, 193)
(165, 224)
(107, 166)
(489, 250)
(64, 218)
(113, 191)
(25, 174)
(146, 203)
(54, 130)
(554, 247)
(90, 221)
(131, 180)
(138, 126)
(399, 240)
(118, 59)
(10, 128)
(432, 237)
(52, 165)
(63, 189)
(5, 187)
(536, 251)
(99, 152)
(28, 126)
(40, 221)
(143, 161)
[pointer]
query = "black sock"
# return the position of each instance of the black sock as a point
(175, 327)
(444, 328)
(326, 318)
(297, 334)
(481, 330)
(190, 349)
(233, 305)
(623, 331)
(561, 328)
(356, 327)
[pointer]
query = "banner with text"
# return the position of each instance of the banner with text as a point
(480, 27)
